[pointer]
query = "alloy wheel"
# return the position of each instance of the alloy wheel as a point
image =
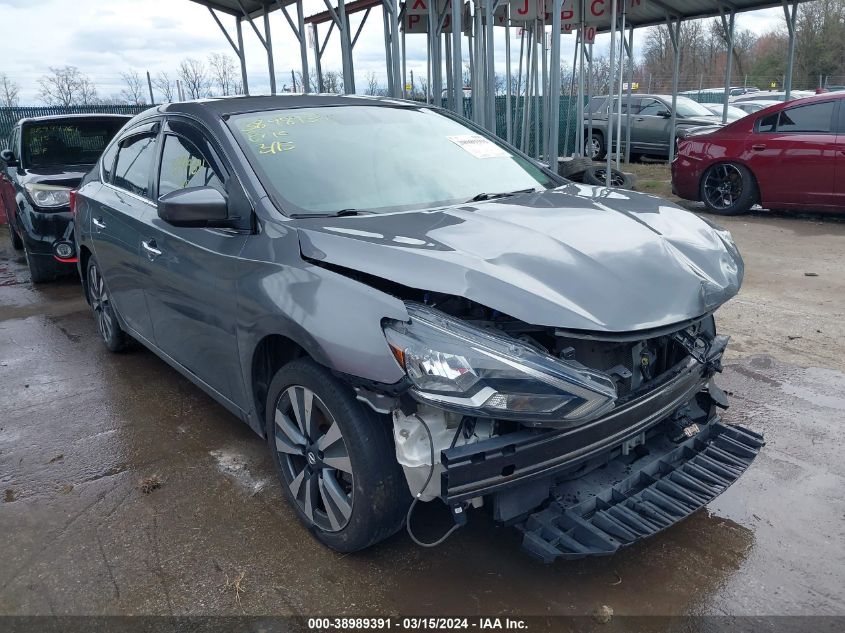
(723, 186)
(617, 179)
(314, 458)
(594, 147)
(100, 303)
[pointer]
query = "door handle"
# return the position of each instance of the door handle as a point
(98, 223)
(150, 247)
(639, 118)
(758, 147)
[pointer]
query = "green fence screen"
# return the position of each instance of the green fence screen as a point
(10, 116)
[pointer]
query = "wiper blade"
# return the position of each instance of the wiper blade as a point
(333, 214)
(492, 196)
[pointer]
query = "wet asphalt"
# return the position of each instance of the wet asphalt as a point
(126, 490)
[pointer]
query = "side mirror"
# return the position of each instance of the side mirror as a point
(195, 206)
(665, 114)
(8, 157)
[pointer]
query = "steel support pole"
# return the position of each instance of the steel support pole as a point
(629, 51)
(436, 79)
(242, 55)
(611, 83)
(318, 65)
(346, 49)
(589, 97)
(303, 47)
(457, 59)
(268, 44)
(569, 104)
(519, 89)
(728, 26)
(450, 86)
(621, 77)
(544, 82)
(537, 88)
(508, 87)
(579, 111)
(388, 50)
(554, 90)
(404, 68)
(526, 100)
(490, 66)
(675, 36)
(790, 13)
(396, 70)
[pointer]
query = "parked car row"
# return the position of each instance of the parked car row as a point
(787, 156)
(414, 316)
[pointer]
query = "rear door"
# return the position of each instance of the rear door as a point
(793, 155)
(117, 216)
(192, 272)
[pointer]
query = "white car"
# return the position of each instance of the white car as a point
(734, 113)
(750, 107)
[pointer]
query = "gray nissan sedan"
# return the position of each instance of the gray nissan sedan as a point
(410, 310)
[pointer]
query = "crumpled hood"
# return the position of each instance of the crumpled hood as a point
(576, 257)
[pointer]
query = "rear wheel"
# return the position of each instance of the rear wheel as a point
(595, 146)
(113, 336)
(335, 458)
(598, 176)
(728, 189)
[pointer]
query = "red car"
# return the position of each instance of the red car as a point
(787, 156)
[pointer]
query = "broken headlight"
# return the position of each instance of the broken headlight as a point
(457, 366)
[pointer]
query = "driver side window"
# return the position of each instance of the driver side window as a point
(652, 107)
(184, 166)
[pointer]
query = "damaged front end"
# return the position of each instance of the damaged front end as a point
(524, 417)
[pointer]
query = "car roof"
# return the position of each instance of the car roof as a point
(64, 117)
(226, 106)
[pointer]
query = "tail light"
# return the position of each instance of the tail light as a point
(72, 196)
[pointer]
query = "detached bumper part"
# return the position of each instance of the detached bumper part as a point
(662, 492)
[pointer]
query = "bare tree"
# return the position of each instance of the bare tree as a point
(134, 92)
(194, 78)
(372, 84)
(8, 92)
(165, 85)
(333, 81)
(67, 86)
(224, 74)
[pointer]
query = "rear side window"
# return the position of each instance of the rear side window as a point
(816, 118)
(108, 162)
(184, 166)
(135, 164)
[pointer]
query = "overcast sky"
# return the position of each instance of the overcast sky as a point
(105, 37)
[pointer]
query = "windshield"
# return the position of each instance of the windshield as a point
(687, 107)
(375, 158)
(67, 142)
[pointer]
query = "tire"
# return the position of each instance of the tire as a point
(618, 179)
(573, 168)
(40, 269)
(16, 241)
(115, 339)
(338, 467)
(728, 189)
(596, 149)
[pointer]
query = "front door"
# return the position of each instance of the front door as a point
(650, 127)
(793, 156)
(193, 272)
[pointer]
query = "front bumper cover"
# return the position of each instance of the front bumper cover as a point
(675, 482)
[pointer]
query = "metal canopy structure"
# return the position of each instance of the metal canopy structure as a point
(532, 114)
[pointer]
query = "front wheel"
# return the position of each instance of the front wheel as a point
(335, 458)
(14, 238)
(41, 269)
(113, 336)
(728, 189)
(595, 146)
